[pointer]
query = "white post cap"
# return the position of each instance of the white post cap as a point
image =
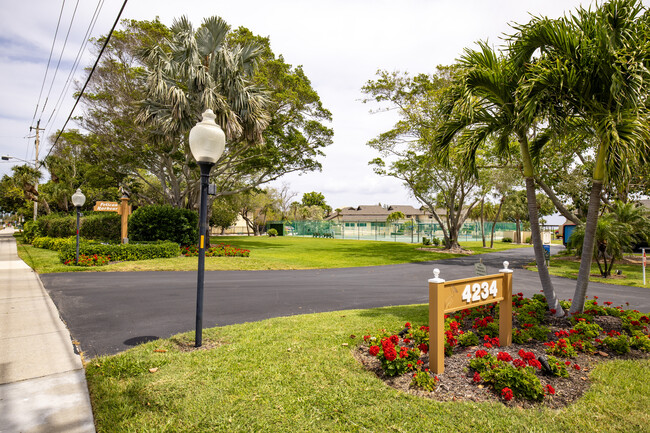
(505, 268)
(436, 277)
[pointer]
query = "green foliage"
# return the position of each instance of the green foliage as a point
(102, 226)
(164, 223)
(522, 381)
(426, 241)
(560, 348)
(587, 330)
(557, 368)
(619, 345)
(126, 252)
(272, 232)
(468, 339)
(424, 380)
(640, 342)
(30, 231)
(506, 240)
(54, 244)
(57, 226)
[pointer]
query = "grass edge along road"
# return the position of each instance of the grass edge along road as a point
(268, 253)
(632, 274)
(297, 373)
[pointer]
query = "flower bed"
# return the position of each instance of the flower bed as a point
(221, 250)
(90, 260)
(530, 371)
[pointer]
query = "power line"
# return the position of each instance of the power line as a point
(99, 56)
(48, 62)
(68, 81)
(56, 70)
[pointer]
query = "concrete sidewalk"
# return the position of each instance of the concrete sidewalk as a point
(42, 381)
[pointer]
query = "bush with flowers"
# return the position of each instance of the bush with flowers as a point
(221, 250)
(512, 372)
(90, 260)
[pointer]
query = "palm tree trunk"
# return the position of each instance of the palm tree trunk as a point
(578, 303)
(535, 234)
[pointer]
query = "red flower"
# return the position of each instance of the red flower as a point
(480, 353)
(394, 339)
(518, 363)
(504, 356)
(553, 311)
(534, 363)
(407, 325)
(424, 348)
(477, 377)
(576, 366)
(506, 393)
(550, 389)
(374, 350)
(390, 354)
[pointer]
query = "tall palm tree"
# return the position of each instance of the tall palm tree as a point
(592, 72)
(484, 106)
(195, 70)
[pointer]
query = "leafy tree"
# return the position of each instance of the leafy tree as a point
(592, 74)
(224, 212)
(145, 144)
(395, 216)
(433, 181)
(315, 199)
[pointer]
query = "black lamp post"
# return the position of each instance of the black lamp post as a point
(207, 142)
(78, 200)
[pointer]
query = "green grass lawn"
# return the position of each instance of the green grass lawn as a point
(268, 254)
(295, 374)
(632, 275)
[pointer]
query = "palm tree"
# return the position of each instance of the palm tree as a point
(592, 74)
(484, 106)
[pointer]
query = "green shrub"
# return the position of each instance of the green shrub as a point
(468, 339)
(506, 240)
(522, 381)
(126, 252)
(30, 231)
(426, 241)
(272, 232)
(102, 226)
(619, 345)
(435, 242)
(164, 223)
(527, 240)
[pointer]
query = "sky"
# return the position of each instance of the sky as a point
(340, 44)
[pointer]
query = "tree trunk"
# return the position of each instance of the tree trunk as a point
(494, 224)
(536, 237)
(578, 303)
(518, 232)
(483, 221)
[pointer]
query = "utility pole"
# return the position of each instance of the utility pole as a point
(36, 166)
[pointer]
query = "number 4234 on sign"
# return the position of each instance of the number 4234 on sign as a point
(479, 291)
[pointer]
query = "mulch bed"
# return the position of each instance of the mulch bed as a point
(456, 382)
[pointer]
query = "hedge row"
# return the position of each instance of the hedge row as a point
(55, 244)
(126, 252)
(101, 226)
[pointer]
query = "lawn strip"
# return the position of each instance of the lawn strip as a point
(295, 374)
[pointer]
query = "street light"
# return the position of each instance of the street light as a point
(207, 142)
(78, 200)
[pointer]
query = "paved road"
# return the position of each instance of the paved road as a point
(110, 312)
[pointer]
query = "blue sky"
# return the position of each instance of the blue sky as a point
(340, 43)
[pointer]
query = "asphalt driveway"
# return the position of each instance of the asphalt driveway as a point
(108, 312)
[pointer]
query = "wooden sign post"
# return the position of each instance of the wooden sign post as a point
(123, 208)
(447, 297)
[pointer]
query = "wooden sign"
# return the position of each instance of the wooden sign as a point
(447, 297)
(107, 206)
